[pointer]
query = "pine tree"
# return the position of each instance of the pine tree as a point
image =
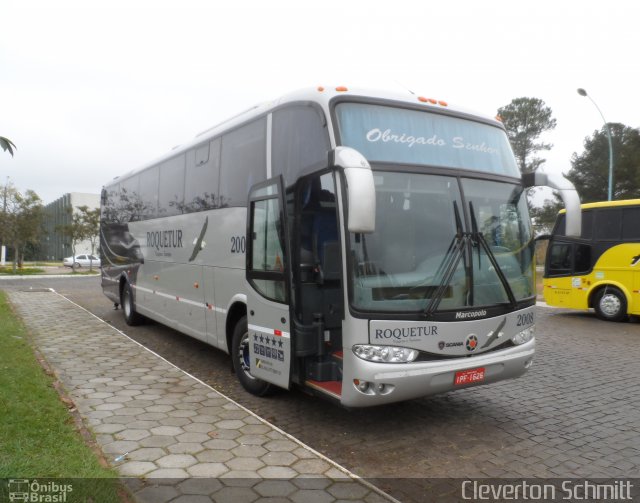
(525, 119)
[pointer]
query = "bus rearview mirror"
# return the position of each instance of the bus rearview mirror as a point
(568, 194)
(361, 191)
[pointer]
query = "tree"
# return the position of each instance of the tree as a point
(7, 192)
(7, 144)
(76, 231)
(90, 219)
(525, 119)
(544, 217)
(590, 170)
(85, 225)
(20, 221)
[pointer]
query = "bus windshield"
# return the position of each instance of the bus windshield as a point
(391, 134)
(417, 252)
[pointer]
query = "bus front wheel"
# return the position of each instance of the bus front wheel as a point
(242, 360)
(131, 316)
(611, 304)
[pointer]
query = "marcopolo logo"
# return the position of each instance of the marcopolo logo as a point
(462, 315)
(38, 492)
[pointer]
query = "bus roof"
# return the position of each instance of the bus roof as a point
(607, 204)
(323, 96)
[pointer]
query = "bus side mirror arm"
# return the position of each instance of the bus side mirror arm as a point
(361, 190)
(568, 194)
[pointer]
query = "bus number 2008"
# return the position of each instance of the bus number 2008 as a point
(525, 319)
(238, 244)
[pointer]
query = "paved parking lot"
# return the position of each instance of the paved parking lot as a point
(576, 413)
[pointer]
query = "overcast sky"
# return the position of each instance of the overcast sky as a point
(88, 93)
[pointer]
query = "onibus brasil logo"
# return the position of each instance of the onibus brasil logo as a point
(38, 492)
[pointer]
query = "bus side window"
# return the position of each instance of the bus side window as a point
(149, 192)
(267, 249)
(171, 187)
(300, 141)
(582, 259)
(631, 224)
(609, 224)
(559, 227)
(560, 259)
(129, 199)
(243, 162)
(587, 225)
(201, 177)
(569, 258)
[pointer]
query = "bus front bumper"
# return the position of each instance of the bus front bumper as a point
(387, 382)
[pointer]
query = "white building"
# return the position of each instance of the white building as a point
(54, 245)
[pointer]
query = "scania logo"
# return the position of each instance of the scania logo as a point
(443, 345)
(472, 342)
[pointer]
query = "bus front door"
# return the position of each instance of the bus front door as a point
(268, 284)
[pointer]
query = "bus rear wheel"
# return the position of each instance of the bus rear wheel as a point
(242, 361)
(611, 304)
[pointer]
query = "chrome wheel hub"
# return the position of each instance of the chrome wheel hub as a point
(243, 355)
(610, 304)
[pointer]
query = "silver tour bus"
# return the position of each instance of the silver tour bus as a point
(366, 246)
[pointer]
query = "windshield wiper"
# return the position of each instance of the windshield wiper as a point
(450, 261)
(480, 241)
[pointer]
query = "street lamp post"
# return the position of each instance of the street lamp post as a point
(582, 92)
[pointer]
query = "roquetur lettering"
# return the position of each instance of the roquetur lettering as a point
(406, 332)
(165, 239)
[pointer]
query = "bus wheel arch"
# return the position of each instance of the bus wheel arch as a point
(235, 313)
(610, 303)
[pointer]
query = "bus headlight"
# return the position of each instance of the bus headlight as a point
(385, 354)
(525, 336)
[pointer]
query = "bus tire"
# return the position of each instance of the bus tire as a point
(242, 362)
(131, 316)
(610, 304)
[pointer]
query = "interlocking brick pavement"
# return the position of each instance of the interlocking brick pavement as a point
(183, 440)
(576, 413)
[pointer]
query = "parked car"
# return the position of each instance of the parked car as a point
(82, 261)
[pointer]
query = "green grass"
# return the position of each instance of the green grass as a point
(43, 263)
(25, 271)
(38, 437)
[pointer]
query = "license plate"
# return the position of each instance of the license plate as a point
(469, 376)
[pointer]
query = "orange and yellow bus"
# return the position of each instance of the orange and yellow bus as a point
(601, 269)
